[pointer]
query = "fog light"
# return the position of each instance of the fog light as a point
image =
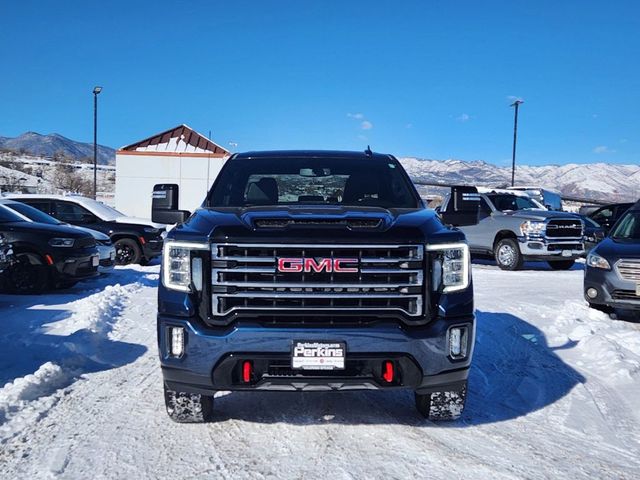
(177, 341)
(458, 342)
(592, 292)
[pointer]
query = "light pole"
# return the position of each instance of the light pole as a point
(96, 91)
(515, 104)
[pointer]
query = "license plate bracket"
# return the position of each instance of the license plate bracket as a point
(566, 253)
(318, 355)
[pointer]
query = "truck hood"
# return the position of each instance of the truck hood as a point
(540, 215)
(139, 221)
(305, 224)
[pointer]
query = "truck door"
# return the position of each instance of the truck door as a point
(480, 236)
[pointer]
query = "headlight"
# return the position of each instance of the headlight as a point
(596, 261)
(529, 227)
(61, 242)
(177, 271)
(451, 267)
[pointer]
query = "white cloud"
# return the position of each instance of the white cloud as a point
(357, 116)
(513, 98)
(465, 117)
(366, 125)
(603, 149)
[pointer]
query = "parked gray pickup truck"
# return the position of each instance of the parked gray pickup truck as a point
(514, 228)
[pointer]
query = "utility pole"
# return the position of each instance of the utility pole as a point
(515, 104)
(96, 91)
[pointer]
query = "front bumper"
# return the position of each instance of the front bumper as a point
(107, 258)
(212, 357)
(612, 290)
(78, 265)
(539, 247)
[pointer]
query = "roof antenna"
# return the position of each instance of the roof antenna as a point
(368, 151)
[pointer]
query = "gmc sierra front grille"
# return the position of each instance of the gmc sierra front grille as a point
(564, 229)
(629, 269)
(317, 279)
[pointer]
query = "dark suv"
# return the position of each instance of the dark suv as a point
(314, 271)
(46, 255)
(137, 240)
(612, 274)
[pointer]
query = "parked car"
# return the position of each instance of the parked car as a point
(593, 233)
(6, 253)
(608, 215)
(136, 240)
(103, 243)
(46, 255)
(550, 200)
(514, 228)
(313, 271)
(612, 273)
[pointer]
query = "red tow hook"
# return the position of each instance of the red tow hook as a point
(247, 371)
(388, 372)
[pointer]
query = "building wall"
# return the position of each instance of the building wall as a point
(137, 174)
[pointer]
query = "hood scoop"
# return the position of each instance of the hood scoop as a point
(350, 223)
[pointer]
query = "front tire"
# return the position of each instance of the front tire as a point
(445, 405)
(28, 275)
(561, 264)
(183, 407)
(127, 251)
(507, 254)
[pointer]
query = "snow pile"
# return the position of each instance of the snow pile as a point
(80, 339)
(610, 348)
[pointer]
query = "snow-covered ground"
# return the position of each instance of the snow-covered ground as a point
(554, 392)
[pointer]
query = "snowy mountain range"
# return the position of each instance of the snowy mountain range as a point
(49, 145)
(596, 181)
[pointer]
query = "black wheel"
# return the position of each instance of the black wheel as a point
(561, 264)
(28, 275)
(446, 405)
(185, 407)
(507, 254)
(127, 251)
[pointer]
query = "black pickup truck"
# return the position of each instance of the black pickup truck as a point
(311, 271)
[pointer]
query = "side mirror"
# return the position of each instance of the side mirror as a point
(164, 204)
(463, 207)
(170, 216)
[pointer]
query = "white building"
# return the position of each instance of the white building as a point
(180, 155)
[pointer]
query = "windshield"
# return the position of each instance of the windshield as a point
(505, 202)
(33, 213)
(628, 228)
(6, 215)
(105, 212)
(313, 181)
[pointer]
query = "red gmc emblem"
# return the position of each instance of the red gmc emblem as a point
(297, 265)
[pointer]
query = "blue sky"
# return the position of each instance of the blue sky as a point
(428, 79)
